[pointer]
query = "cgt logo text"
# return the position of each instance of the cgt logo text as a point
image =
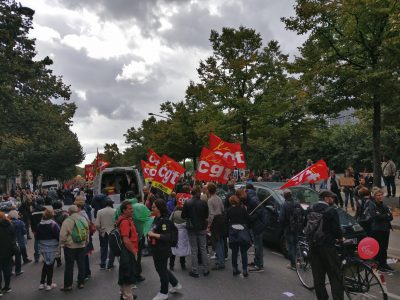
(168, 175)
(214, 170)
(237, 156)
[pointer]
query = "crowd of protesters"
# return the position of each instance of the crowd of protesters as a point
(192, 223)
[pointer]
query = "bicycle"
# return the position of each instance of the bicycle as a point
(361, 278)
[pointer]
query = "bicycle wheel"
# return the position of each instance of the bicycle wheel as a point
(303, 267)
(362, 282)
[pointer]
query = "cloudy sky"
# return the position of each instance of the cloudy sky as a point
(123, 58)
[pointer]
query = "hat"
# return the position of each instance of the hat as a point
(326, 193)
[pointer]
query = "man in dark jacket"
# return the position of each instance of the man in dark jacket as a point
(7, 250)
(257, 225)
(324, 258)
(289, 218)
(195, 212)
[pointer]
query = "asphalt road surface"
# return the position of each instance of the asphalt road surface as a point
(277, 282)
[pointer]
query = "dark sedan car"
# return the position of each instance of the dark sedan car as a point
(274, 234)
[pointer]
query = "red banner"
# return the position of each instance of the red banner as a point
(167, 175)
(213, 167)
(153, 158)
(231, 152)
(89, 172)
(313, 173)
(149, 171)
(100, 163)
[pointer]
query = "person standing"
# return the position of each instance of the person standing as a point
(291, 218)
(160, 237)
(7, 250)
(74, 248)
(333, 186)
(347, 182)
(59, 216)
(20, 232)
(195, 212)
(104, 225)
(237, 220)
(127, 273)
(48, 234)
(216, 225)
(36, 217)
(324, 258)
(389, 175)
(380, 216)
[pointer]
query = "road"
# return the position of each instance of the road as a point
(272, 284)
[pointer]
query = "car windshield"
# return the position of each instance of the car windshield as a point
(304, 195)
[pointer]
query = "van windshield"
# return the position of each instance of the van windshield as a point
(119, 182)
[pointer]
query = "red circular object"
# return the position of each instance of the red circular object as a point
(368, 248)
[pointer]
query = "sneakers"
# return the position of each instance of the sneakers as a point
(102, 268)
(109, 268)
(291, 267)
(41, 286)
(5, 290)
(213, 257)
(236, 272)
(175, 289)
(256, 269)
(161, 296)
(27, 261)
(19, 273)
(51, 286)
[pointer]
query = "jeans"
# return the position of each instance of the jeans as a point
(198, 244)
(258, 249)
(390, 185)
(36, 255)
(182, 260)
(18, 261)
(243, 253)
(291, 242)
(219, 252)
(105, 252)
(5, 270)
(348, 194)
(166, 277)
(88, 273)
(70, 255)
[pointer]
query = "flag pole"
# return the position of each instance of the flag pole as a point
(260, 204)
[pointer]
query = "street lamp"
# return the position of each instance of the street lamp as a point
(164, 117)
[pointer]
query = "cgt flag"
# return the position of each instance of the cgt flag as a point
(89, 172)
(315, 172)
(167, 175)
(149, 171)
(101, 164)
(213, 167)
(153, 158)
(232, 152)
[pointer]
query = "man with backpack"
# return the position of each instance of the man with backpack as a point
(74, 236)
(322, 232)
(291, 219)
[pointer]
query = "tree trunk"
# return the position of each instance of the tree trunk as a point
(244, 132)
(376, 140)
(194, 163)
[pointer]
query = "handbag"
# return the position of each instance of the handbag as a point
(240, 234)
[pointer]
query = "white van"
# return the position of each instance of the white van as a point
(51, 185)
(117, 181)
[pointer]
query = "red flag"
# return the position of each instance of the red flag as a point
(213, 167)
(149, 171)
(232, 152)
(153, 158)
(101, 164)
(89, 172)
(315, 172)
(181, 198)
(167, 175)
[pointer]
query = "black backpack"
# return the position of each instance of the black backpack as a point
(115, 240)
(296, 220)
(174, 233)
(313, 230)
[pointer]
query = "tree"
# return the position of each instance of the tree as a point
(237, 72)
(112, 154)
(36, 119)
(350, 58)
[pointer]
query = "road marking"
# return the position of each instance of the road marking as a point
(394, 296)
(276, 253)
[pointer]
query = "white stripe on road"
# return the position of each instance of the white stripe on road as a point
(276, 253)
(394, 296)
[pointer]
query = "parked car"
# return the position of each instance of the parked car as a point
(274, 234)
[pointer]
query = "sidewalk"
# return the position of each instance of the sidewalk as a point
(393, 203)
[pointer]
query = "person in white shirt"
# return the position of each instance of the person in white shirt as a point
(104, 224)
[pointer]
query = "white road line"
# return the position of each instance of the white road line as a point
(393, 296)
(276, 253)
